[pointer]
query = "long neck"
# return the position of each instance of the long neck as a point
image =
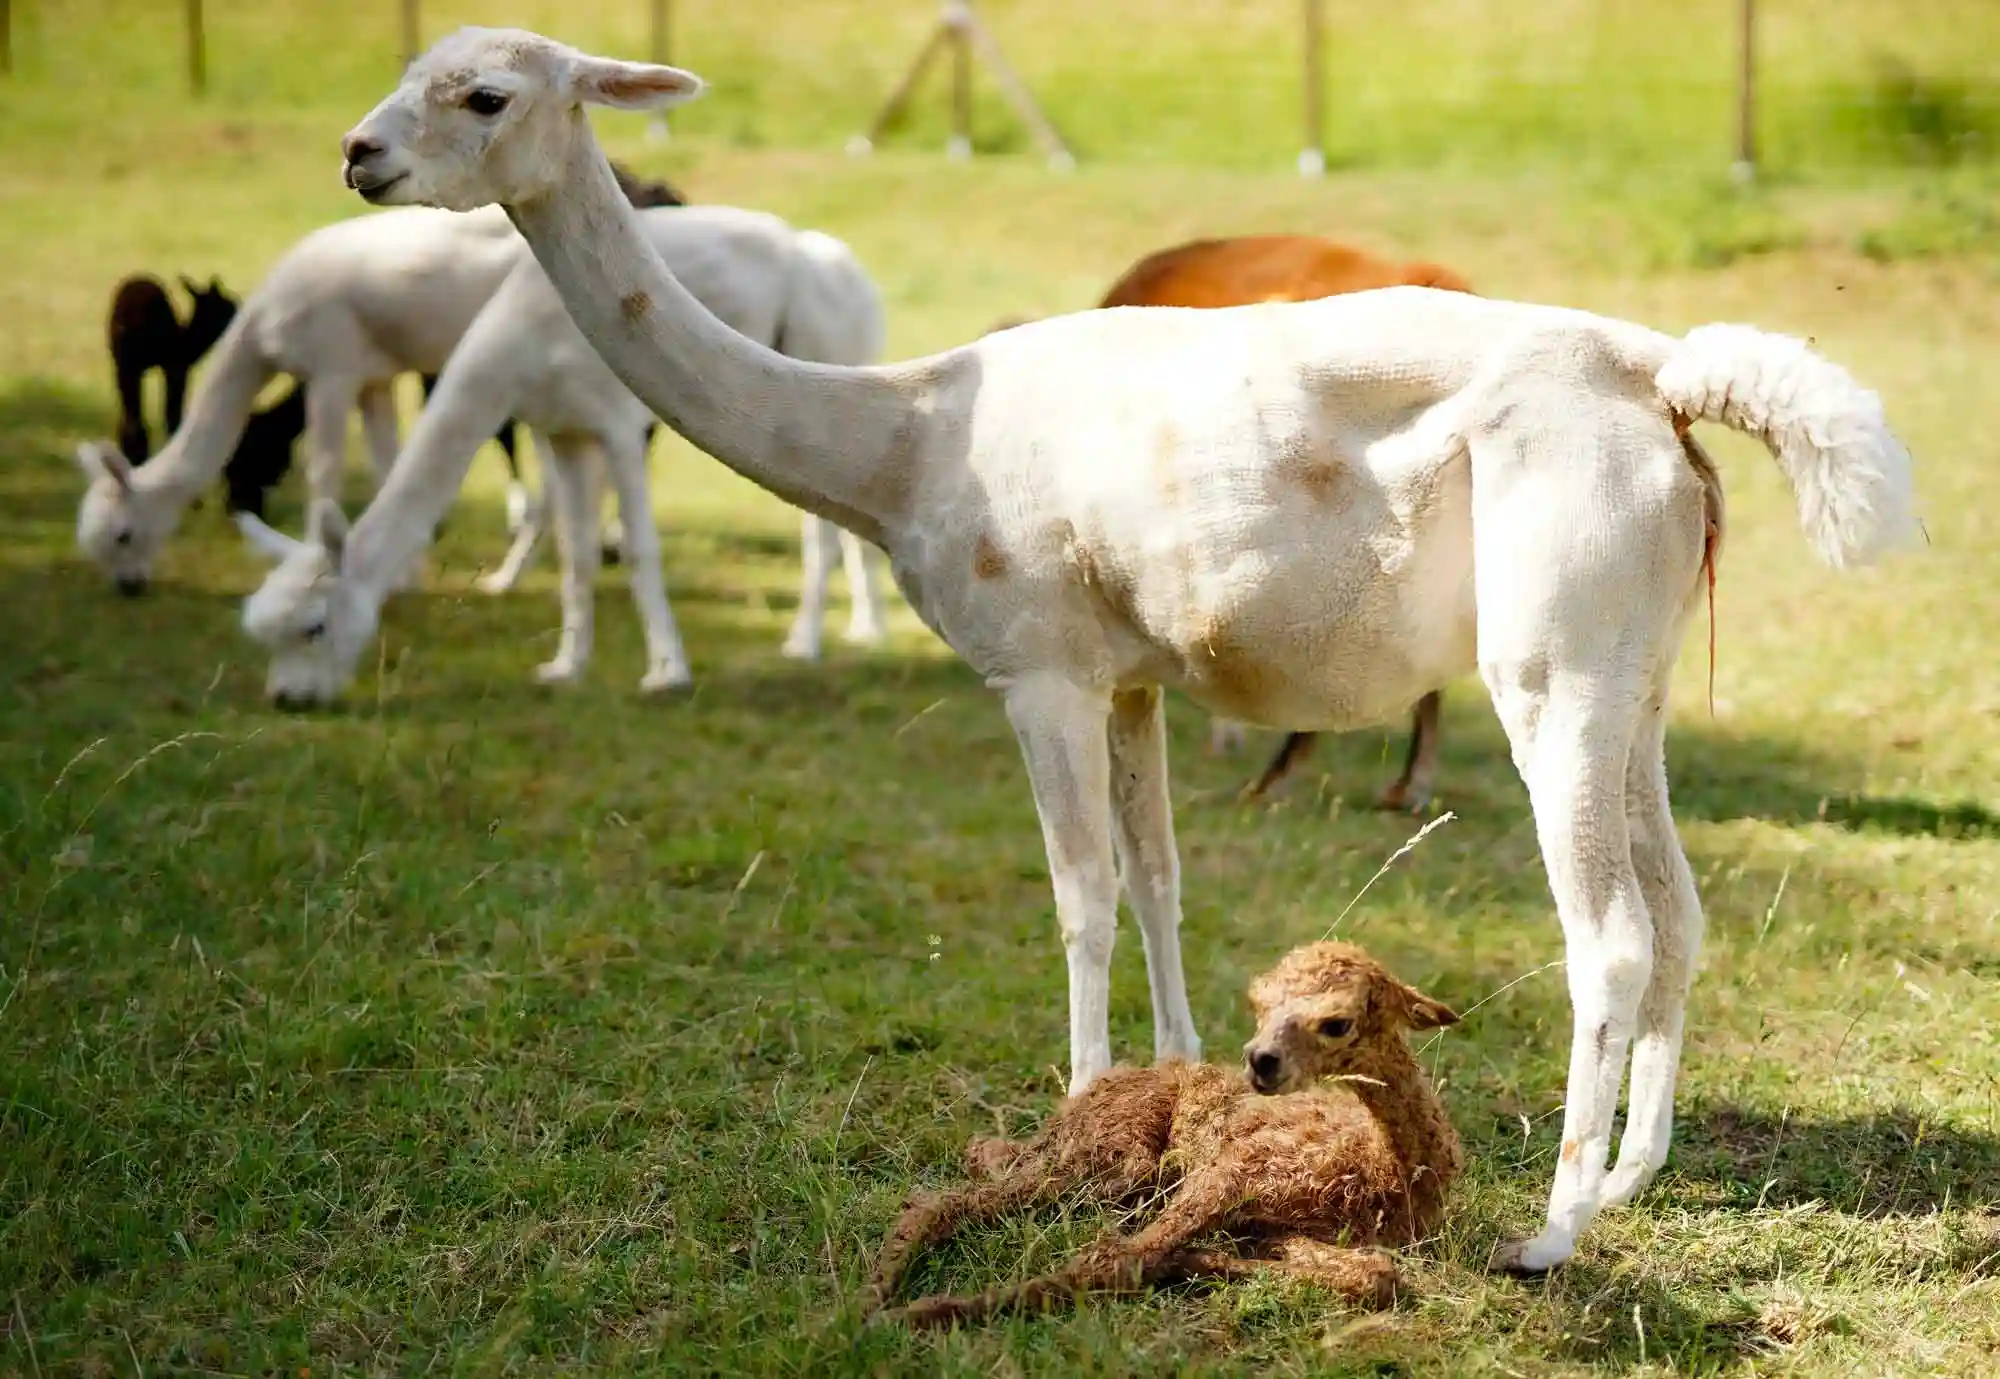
(466, 408)
(1391, 1084)
(215, 419)
(842, 443)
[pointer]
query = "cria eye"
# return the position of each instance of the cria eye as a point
(485, 102)
(124, 538)
(315, 632)
(1334, 1029)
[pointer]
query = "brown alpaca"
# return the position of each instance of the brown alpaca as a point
(1288, 268)
(1273, 1169)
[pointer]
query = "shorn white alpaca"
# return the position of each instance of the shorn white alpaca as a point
(345, 310)
(1303, 515)
(802, 292)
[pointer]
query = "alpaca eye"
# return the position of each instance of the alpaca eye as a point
(1334, 1029)
(314, 632)
(485, 102)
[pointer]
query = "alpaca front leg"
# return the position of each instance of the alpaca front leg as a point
(864, 612)
(1675, 905)
(816, 556)
(570, 482)
(328, 401)
(1061, 728)
(378, 428)
(1149, 862)
(1571, 749)
(666, 659)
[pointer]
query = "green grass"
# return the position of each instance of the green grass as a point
(487, 1030)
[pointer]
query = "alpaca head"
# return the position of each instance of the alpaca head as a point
(313, 619)
(213, 310)
(118, 525)
(492, 115)
(1322, 1005)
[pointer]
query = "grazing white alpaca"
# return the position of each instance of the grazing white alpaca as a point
(345, 310)
(822, 306)
(523, 356)
(1303, 515)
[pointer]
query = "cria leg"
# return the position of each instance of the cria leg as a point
(1061, 728)
(1120, 1264)
(1368, 1277)
(1143, 816)
(931, 1218)
(1670, 893)
(666, 659)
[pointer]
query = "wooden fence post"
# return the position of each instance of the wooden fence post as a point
(412, 31)
(662, 47)
(1312, 153)
(1744, 169)
(6, 36)
(197, 49)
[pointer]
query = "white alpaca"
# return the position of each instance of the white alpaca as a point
(1303, 515)
(345, 310)
(523, 356)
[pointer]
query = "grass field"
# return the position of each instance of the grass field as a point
(480, 1029)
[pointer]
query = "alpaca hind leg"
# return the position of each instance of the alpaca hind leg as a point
(569, 478)
(1142, 814)
(1570, 748)
(1668, 884)
(133, 440)
(929, 1219)
(1061, 728)
(174, 378)
(1410, 793)
(864, 602)
(1367, 1277)
(817, 553)
(666, 659)
(1294, 749)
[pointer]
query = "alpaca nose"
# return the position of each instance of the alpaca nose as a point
(131, 586)
(359, 148)
(1265, 1065)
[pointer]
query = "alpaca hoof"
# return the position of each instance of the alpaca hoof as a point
(499, 582)
(611, 554)
(1226, 735)
(988, 1158)
(800, 646)
(864, 634)
(663, 678)
(1528, 1258)
(1404, 798)
(560, 671)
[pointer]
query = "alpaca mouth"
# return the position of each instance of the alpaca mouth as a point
(372, 189)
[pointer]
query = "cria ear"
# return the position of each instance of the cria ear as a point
(103, 460)
(631, 85)
(265, 539)
(326, 525)
(1422, 1012)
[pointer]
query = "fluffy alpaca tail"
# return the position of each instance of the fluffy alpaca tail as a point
(1851, 477)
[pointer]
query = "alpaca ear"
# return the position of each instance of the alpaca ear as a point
(193, 288)
(102, 460)
(264, 539)
(1422, 1012)
(631, 85)
(326, 525)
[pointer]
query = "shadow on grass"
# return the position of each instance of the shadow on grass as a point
(1883, 1164)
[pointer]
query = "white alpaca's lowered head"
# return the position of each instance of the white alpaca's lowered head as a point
(117, 526)
(311, 618)
(485, 116)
